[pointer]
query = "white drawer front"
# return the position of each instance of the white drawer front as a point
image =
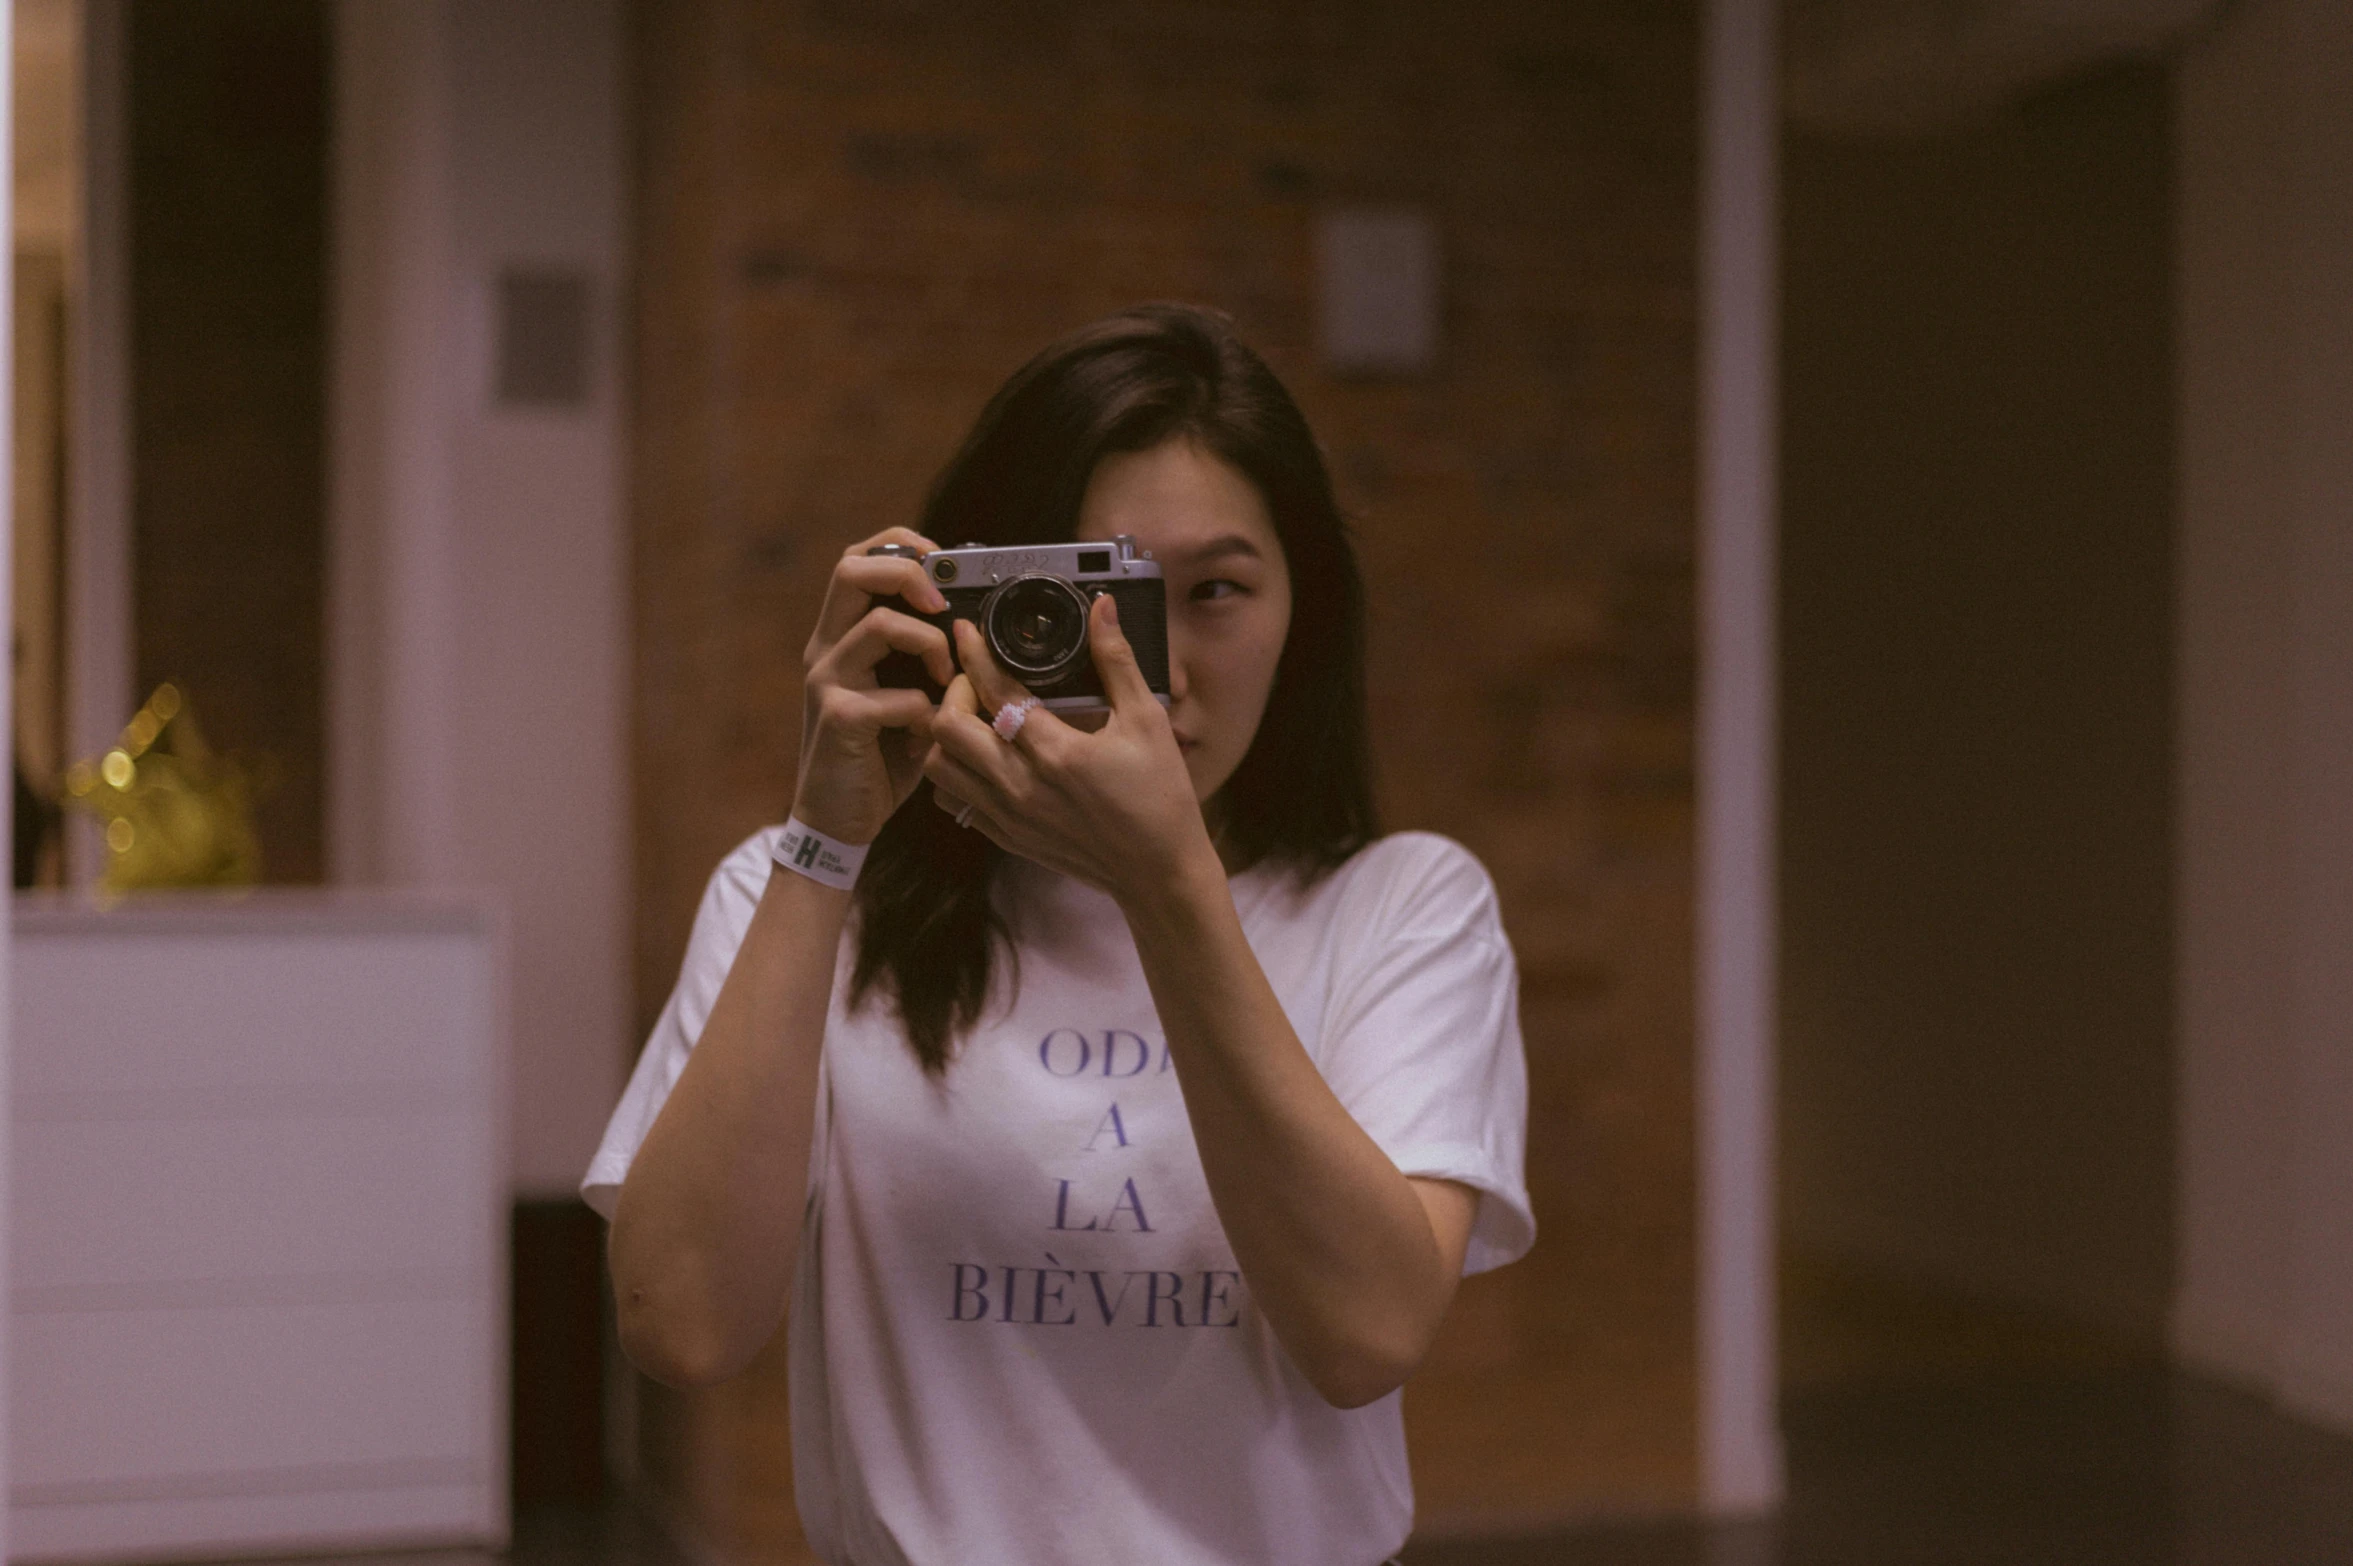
(277, 1522)
(107, 1211)
(108, 1405)
(214, 1014)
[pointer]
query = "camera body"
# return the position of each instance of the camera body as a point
(1030, 603)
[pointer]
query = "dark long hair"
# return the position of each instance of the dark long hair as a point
(1302, 795)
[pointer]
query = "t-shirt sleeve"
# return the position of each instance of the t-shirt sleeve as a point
(1423, 1042)
(719, 926)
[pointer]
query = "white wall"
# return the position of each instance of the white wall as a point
(478, 690)
(2266, 722)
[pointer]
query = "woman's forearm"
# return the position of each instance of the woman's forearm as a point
(709, 1217)
(1337, 1246)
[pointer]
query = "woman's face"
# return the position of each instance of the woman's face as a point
(1229, 591)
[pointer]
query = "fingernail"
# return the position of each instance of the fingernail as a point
(1111, 607)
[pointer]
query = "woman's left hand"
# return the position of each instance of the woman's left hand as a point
(1114, 807)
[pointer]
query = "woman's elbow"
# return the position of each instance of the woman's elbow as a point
(674, 1324)
(1366, 1353)
(670, 1351)
(1357, 1389)
(1368, 1369)
(680, 1318)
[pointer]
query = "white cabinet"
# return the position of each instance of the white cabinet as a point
(257, 1247)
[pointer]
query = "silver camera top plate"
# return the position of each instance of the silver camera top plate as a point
(984, 565)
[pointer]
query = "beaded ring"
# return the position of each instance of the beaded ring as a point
(1011, 717)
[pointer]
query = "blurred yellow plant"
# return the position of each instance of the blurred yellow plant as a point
(176, 814)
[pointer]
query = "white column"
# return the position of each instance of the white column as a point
(2317, 1354)
(392, 552)
(1740, 1462)
(478, 707)
(2265, 823)
(7, 720)
(99, 645)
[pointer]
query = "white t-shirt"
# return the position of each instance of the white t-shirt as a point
(1018, 1334)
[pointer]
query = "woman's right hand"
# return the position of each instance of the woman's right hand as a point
(707, 1225)
(862, 745)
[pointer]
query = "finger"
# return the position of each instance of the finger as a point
(892, 535)
(961, 729)
(880, 632)
(994, 830)
(966, 813)
(960, 699)
(1041, 737)
(860, 579)
(989, 680)
(1124, 685)
(850, 711)
(972, 817)
(950, 775)
(965, 738)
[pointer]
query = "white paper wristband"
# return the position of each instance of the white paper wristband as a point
(822, 859)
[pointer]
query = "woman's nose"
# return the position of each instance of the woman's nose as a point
(1177, 680)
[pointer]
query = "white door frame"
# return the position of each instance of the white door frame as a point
(7, 695)
(99, 678)
(1740, 1459)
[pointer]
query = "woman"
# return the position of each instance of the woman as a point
(1119, 1138)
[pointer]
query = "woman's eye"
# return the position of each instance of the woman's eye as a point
(1220, 588)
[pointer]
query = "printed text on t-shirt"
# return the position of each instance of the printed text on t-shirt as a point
(1052, 1295)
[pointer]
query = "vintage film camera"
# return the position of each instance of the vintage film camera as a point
(1030, 601)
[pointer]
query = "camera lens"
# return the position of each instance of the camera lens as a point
(1036, 625)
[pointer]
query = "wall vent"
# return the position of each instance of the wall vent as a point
(1377, 270)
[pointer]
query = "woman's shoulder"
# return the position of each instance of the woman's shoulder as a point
(734, 888)
(1411, 884)
(743, 873)
(749, 859)
(1414, 858)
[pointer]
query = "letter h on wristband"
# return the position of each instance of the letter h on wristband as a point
(820, 858)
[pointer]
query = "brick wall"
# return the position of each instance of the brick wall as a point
(853, 221)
